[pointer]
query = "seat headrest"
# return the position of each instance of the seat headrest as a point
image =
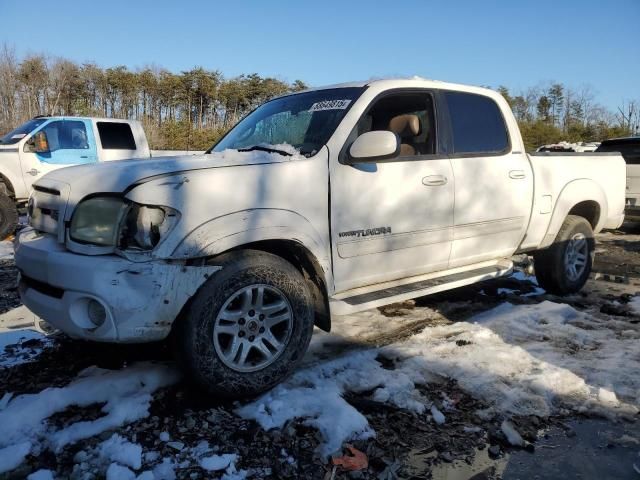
(405, 125)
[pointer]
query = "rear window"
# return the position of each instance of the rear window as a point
(116, 136)
(477, 124)
(630, 150)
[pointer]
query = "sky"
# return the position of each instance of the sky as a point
(516, 43)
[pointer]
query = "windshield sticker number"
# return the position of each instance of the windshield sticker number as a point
(330, 105)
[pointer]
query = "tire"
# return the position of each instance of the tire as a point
(565, 266)
(216, 318)
(8, 216)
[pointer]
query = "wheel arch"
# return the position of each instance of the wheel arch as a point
(307, 264)
(584, 198)
(279, 232)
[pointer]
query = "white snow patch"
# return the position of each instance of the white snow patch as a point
(521, 360)
(513, 437)
(165, 470)
(126, 394)
(214, 463)
(4, 401)
(18, 353)
(607, 396)
(13, 455)
(41, 475)
(16, 329)
(118, 472)
(437, 415)
(635, 305)
(119, 449)
(6, 250)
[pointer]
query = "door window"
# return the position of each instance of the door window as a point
(66, 135)
(116, 136)
(410, 115)
(477, 124)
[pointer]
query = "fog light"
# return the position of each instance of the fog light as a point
(96, 312)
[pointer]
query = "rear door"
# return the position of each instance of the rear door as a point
(493, 184)
(70, 141)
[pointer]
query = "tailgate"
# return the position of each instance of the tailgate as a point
(633, 180)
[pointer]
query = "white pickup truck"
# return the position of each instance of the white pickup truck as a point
(45, 143)
(317, 204)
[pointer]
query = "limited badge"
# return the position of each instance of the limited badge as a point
(330, 105)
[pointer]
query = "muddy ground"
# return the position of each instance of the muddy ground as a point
(406, 445)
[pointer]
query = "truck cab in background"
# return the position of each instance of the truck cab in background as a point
(44, 144)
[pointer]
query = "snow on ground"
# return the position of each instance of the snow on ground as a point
(536, 359)
(522, 360)
(126, 394)
(24, 343)
(6, 250)
(121, 459)
(635, 305)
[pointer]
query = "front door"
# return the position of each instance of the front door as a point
(70, 142)
(393, 219)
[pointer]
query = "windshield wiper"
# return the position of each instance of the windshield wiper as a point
(265, 149)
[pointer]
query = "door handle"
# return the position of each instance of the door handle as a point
(33, 172)
(434, 180)
(517, 174)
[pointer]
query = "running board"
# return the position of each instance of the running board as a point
(374, 296)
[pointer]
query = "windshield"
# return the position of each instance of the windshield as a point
(19, 133)
(303, 120)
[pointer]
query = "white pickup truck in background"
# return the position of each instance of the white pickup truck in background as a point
(629, 148)
(44, 144)
(317, 204)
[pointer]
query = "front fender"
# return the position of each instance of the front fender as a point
(573, 193)
(240, 228)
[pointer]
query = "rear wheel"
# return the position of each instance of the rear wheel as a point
(248, 326)
(8, 216)
(565, 266)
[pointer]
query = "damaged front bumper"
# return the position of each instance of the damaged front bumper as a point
(103, 298)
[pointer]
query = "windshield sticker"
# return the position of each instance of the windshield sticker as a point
(330, 105)
(18, 135)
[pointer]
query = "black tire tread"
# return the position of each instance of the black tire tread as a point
(8, 216)
(549, 263)
(194, 349)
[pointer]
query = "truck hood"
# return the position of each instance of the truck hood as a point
(118, 176)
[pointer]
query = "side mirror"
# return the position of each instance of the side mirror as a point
(374, 147)
(41, 144)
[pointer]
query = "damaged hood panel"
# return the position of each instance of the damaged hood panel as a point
(118, 176)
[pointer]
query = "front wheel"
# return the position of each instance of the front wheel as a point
(247, 327)
(8, 216)
(565, 266)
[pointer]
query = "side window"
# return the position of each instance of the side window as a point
(410, 115)
(116, 136)
(66, 135)
(477, 124)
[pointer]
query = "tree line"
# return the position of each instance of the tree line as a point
(192, 109)
(187, 110)
(554, 112)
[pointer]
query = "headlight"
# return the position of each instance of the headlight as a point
(118, 223)
(145, 226)
(97, 221)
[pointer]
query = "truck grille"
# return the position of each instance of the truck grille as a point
(46, 208)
